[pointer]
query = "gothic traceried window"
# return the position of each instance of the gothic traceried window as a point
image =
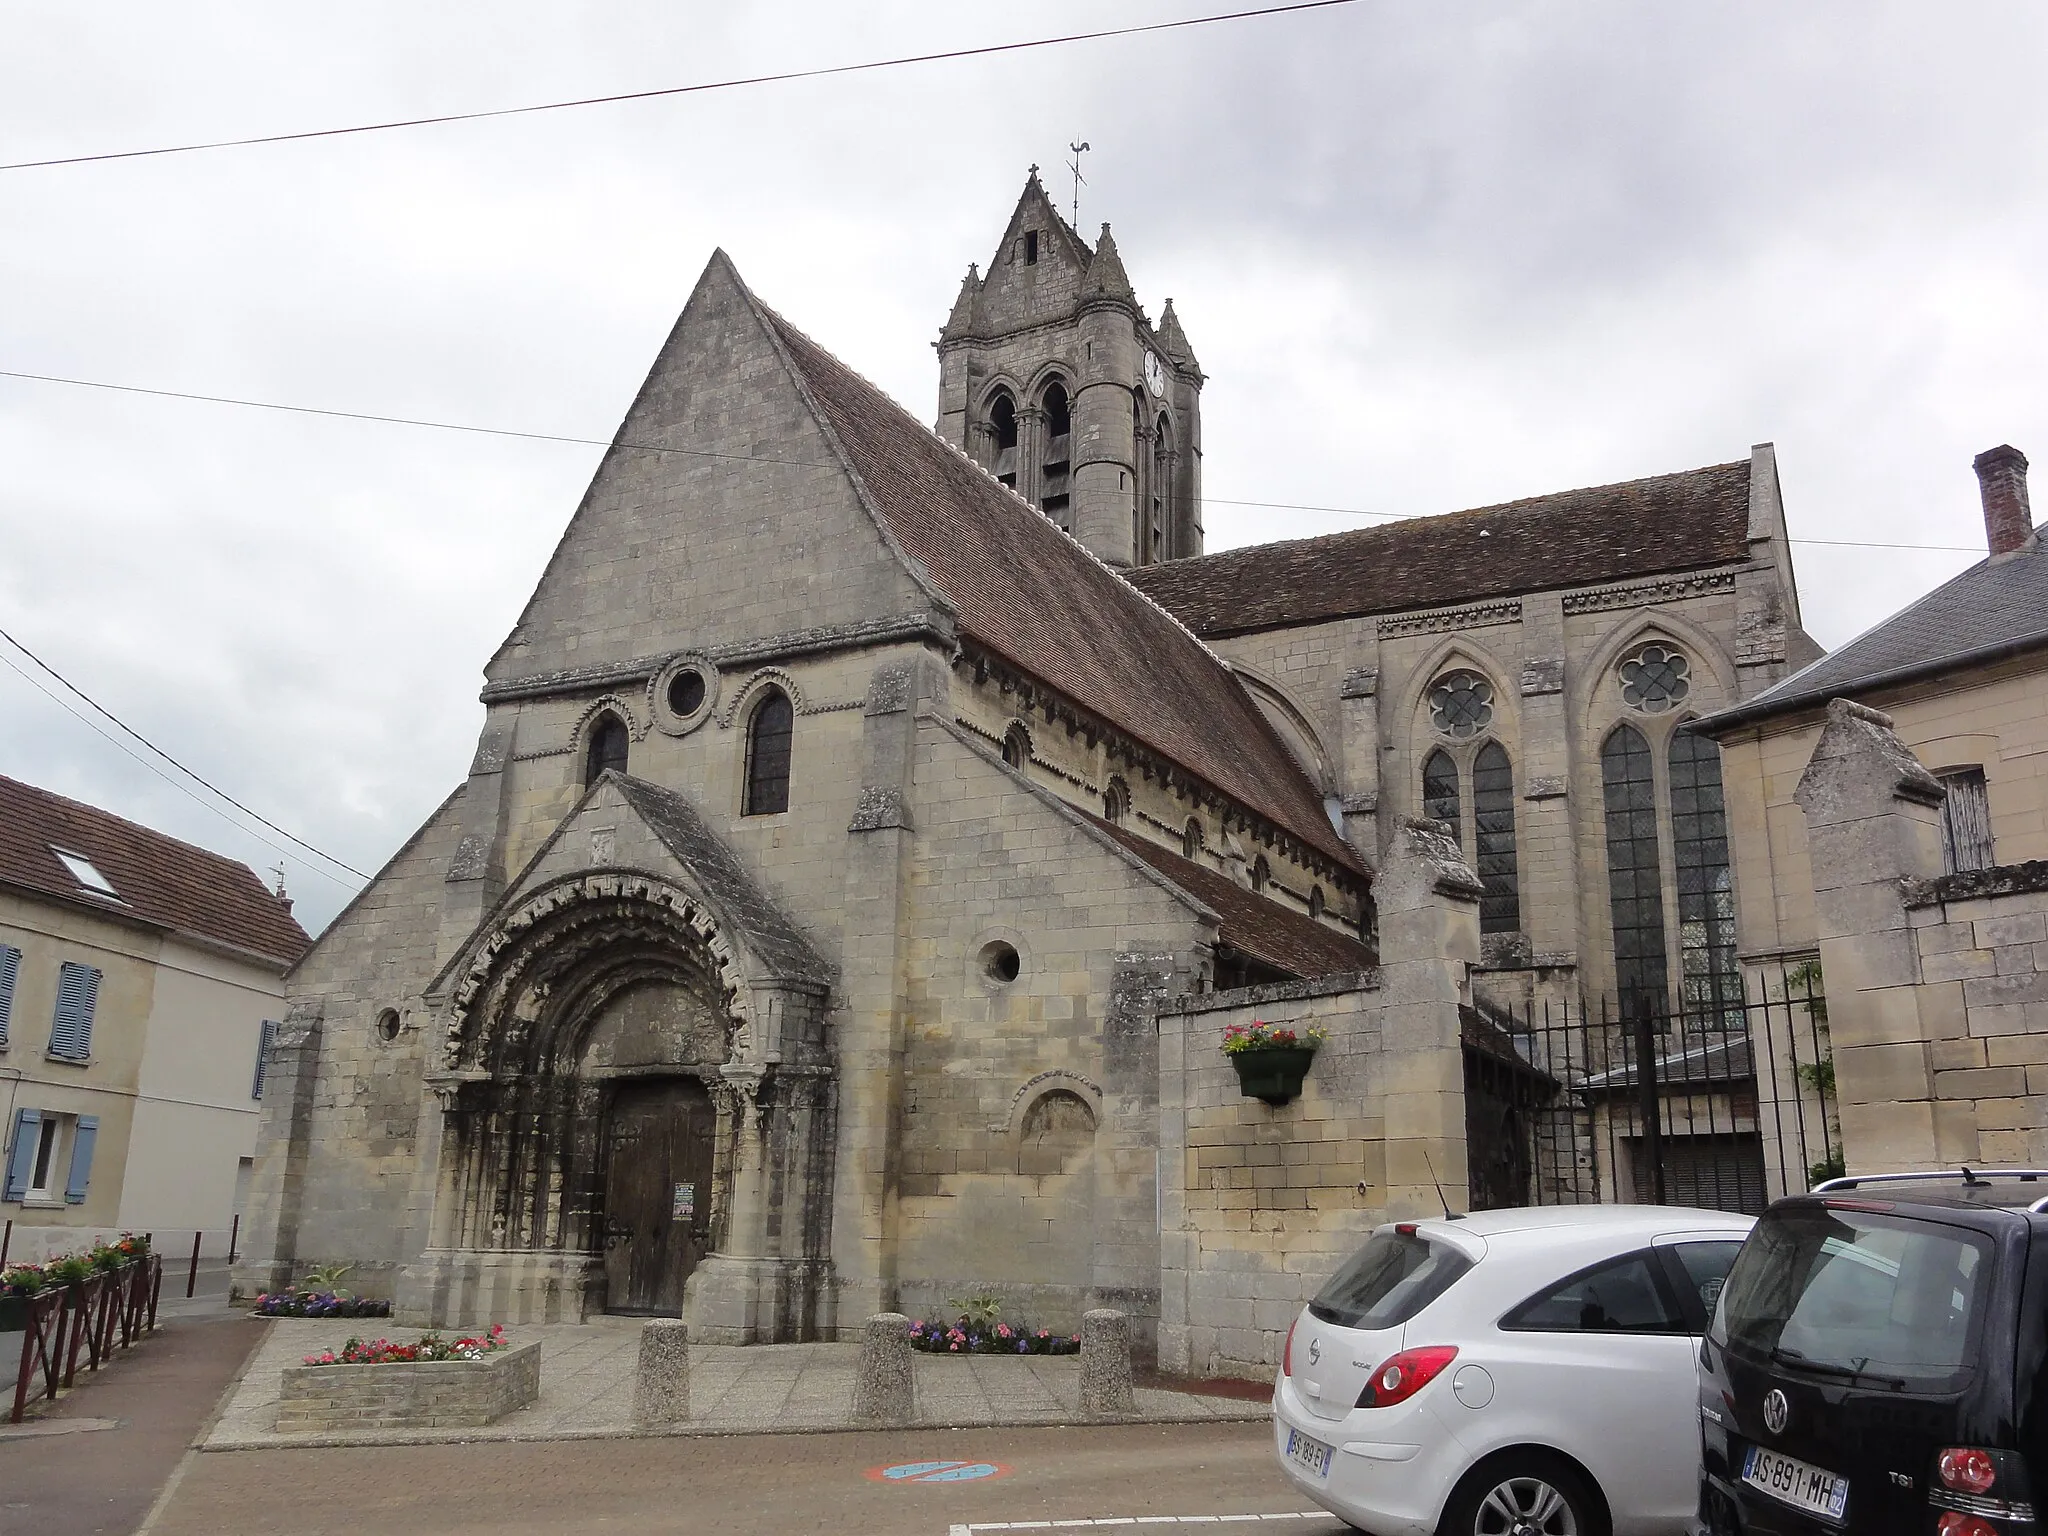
(1461, 704)
(1440, 791)
(1635, 883)
(1655, 678)
(769, 735)
(1191, 840)
(609, 744)
(1710, 980)
(1493, 837)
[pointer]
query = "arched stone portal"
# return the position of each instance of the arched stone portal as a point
(635, 1116)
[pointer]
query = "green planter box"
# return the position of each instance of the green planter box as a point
(1272, 1073)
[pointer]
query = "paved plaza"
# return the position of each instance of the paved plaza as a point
(586, 1389)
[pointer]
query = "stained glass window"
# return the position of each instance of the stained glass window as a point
(1440, 790)
(1710, 979)
(1634, 882)
(1461, 704)
(608, 747)
(1655, 679)
(768, 752)
(1493, 837)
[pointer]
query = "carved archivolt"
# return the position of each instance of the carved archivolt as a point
(585, 938)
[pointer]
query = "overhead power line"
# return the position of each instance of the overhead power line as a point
(130, 730)
(699, 88)
(748, 458)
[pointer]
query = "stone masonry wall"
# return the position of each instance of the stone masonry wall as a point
(434, 1394)
(1259, 1203)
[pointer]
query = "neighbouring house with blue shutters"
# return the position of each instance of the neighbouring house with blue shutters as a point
(138, 976)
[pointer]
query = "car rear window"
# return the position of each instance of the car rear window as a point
(1885, 1299)
(1393, 1277)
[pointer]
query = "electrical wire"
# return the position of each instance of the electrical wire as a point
(749, 458)
(160, 752)
(685, 90)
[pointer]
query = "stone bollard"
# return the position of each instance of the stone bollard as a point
(661, 1387)
(881, 1387)
(1106, 1365)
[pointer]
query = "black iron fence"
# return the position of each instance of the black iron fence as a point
(1729, 1109)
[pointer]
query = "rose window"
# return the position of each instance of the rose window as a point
(1655, 679)
(1461, 704)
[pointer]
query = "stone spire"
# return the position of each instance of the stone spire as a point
(1175, 340)
(961, 321)
(1106, 275)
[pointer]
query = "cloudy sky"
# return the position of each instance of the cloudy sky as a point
(1432, 256)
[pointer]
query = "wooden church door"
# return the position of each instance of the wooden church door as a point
(657, 1194)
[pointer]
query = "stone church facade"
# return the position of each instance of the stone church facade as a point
(852, 798)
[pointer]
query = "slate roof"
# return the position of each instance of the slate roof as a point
(1572, 539)
(1996, 606)
(768, 932)
(1036, 598)
(159, 879)
(1263, 929)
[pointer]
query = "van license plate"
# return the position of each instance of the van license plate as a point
(1310, 1454)
(1796, 1483)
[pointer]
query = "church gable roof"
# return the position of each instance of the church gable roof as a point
(1034, 597)
(1250, 923)
(1571, 539)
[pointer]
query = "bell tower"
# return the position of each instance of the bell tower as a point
(1052, 377)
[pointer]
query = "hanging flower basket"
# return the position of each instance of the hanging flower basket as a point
(1271, 1060)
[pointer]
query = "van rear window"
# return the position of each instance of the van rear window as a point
(1858, 1294)
(1393, 1277)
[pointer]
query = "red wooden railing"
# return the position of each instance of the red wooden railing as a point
(95, 1316)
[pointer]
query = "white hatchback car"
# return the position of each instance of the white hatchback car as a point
(1525, 1372)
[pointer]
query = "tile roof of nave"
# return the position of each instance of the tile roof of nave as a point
(1036, 598)
(1679, 522)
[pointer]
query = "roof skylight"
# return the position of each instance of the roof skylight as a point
(85, 874)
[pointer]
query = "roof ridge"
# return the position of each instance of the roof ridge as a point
(1436, 519)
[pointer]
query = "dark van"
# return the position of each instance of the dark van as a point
(1876, 1361)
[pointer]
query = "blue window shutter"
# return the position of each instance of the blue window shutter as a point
(78, 991)
(82, 1138)
(21, 1162)
(10, 967)
(263, 1056)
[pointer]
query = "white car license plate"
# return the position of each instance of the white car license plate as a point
(1310, 1454)
(1796, 1483)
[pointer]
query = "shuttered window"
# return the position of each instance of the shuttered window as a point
(263, 1042)
(22, 1146)
(83, 1137)
(78, 993)
(1493, 838)
(1440, 791)
(1965, 822)
(10, 968)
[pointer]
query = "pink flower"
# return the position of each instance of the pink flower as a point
(954, 1347)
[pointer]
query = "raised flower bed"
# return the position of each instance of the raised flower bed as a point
(1271, 1060)
(295, 1302)
(425, 1383)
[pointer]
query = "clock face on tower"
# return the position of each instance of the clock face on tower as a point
(1155, 374)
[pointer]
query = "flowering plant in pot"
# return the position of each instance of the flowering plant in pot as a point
(1271, 1059)
(18, 1284)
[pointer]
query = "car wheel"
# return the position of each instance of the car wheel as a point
(1524, 1494)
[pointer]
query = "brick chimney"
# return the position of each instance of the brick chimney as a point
(2002, 478)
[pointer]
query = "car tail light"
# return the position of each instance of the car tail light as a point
(1967, 1469)
(1287, 1349)
(1406, 1374)
(1975, 1485)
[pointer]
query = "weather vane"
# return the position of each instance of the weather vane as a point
(1080, 181)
